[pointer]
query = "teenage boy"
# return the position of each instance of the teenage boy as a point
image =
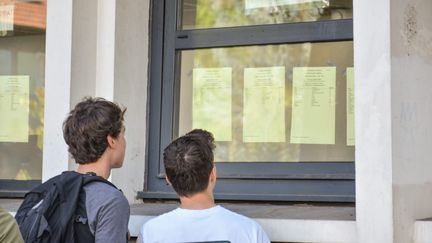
(94, 132)
(190, 170)
(82, 206)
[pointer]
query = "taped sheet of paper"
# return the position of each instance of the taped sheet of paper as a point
(350, 108)
(264, 105)
(6, 18)
(211, 101)
(14, 108)
(313, 105)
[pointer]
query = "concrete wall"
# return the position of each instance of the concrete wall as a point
(110, 56)
(393, 50)
(84, 41)
(130, 89)
(104, 52)
(57, 85)
(411, 61)
(372, 66)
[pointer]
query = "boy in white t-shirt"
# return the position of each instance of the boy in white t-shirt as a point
(190, 170)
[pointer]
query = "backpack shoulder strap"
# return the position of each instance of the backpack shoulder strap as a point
(81, 228)
(92, 177)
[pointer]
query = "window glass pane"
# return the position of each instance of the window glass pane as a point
(22, 79)
(198, 14)
(285, 103)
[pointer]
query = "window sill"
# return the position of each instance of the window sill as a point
(282, 223)
(423, 231)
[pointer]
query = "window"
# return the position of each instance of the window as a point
(271, 80)
(22, 64)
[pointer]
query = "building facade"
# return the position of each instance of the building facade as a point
(273, 80)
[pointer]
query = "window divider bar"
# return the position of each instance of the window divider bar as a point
(168, 81)
(299, 176)
(255, 197)
(331, 30)
(154, 92)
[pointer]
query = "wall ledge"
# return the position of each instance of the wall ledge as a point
(283, 223)
(423, 231)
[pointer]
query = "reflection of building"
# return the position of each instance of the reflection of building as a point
(22, 55)
(102, 48)
(30, 15)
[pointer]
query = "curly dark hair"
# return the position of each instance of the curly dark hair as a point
(189, 161)
(87, 126)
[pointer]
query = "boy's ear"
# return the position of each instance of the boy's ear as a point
(111, 141)
(213, 175)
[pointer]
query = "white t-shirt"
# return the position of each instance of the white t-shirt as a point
(213, 224)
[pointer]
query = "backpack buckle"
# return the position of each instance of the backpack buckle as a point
(80, 219)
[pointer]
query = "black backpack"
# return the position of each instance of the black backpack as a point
(55, 210)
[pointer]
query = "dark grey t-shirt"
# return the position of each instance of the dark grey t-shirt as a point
(108, 212)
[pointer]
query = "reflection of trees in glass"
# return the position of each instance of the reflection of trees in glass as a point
(25, 55)
(37, 102)
(225, 13)
(337, 54)
(23, 161)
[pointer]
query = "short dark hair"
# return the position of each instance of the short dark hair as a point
(87, 126)
(189, 161)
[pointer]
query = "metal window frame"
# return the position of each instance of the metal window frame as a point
(16, 188)
(266, 181)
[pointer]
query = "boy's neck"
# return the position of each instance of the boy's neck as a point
(101, 166)
(201, 200)
(98, 167)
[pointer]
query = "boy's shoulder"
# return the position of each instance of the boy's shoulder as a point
(218, 213)
(161, 219)
(236, 218)
(100, 195)
(102, 189)
(215, 222)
